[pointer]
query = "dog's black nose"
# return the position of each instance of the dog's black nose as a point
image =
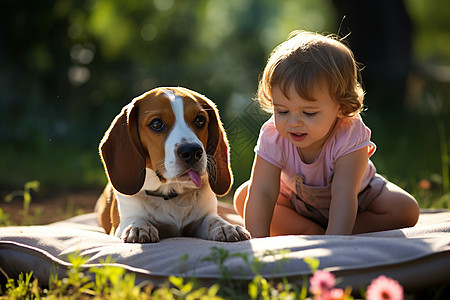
(190, 153)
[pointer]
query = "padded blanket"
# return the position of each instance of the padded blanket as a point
(417, 257)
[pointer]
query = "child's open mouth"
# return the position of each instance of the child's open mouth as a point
(298, 136)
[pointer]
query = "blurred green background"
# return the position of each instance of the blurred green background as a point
(67, 67)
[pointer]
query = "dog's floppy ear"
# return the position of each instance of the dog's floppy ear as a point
(122, 152)
(221, 177)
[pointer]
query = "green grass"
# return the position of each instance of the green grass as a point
(113, 282)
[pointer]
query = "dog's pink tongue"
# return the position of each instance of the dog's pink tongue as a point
(195, 177)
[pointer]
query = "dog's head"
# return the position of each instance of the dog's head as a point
(173, 133)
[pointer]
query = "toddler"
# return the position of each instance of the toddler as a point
(311, 173)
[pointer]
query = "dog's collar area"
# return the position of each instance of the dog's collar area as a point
(164, 196)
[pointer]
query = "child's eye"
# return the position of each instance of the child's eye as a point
(281, 112)
(309, 114)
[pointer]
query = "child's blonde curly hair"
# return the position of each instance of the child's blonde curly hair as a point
(306, 57)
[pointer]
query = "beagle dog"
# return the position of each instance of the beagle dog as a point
(166, 156)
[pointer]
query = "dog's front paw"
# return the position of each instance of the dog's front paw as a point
(230, 233)
(140, 232)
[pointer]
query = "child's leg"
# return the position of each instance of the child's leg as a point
(285, 220)
(394, 208)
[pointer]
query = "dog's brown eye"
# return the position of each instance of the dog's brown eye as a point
(156, 125)
(200, 121)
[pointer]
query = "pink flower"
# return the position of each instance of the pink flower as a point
(321, 283)
(336, 294)
(333, 294)
(384, 288)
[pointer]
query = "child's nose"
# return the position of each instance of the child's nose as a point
(296, 120)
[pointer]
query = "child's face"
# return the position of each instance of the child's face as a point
(307, 124)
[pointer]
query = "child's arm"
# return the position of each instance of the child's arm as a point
(348, 174)
(262, 195)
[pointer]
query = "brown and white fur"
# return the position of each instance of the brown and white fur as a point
(167, 157)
